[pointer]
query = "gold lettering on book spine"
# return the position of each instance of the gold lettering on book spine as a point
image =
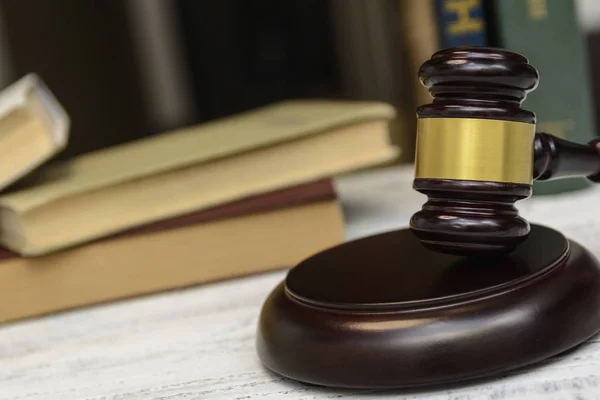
(465, 23)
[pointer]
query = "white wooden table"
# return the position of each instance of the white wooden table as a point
(199, 343)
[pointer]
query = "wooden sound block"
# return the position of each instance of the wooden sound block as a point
(384, 311)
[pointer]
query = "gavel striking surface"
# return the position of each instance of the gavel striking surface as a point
(385, 311)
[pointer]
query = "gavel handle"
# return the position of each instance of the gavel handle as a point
(556, 158)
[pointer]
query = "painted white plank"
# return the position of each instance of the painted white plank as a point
(199, 343)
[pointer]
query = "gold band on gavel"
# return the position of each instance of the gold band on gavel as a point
(475, 149)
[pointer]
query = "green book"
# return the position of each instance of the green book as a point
(548, 34)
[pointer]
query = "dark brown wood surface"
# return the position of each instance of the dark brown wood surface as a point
(468, 217)
(478, 82)
(387, 312)
(556, 158)
(478, 216)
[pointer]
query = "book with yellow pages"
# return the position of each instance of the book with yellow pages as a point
(33, 128)
(255, 234)
(110, 190)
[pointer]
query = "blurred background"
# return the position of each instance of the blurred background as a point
(262, 194)
(127, 69)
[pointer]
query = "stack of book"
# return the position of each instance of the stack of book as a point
(245, 194)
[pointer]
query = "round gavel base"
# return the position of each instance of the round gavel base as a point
(386, 312)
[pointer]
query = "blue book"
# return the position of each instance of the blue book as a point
(461, 23)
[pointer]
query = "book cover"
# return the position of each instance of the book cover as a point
(419, 34)
(264, 127)
(151, 262)
(114, 189)
(34, 128)
(320, 190)
(548, 34)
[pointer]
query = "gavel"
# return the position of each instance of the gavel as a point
(478, 152)
(486, 292)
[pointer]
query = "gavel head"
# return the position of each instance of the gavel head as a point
(474, 155)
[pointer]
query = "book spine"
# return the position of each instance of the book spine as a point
(461, 23)
(420, 39)
(548, 34)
